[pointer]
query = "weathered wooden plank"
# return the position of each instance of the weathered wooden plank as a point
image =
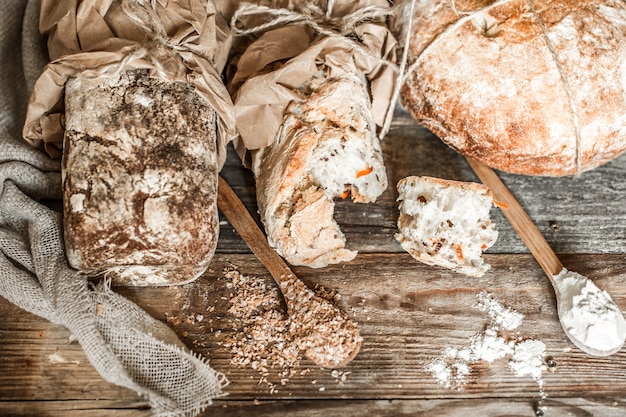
(605, 407)
(407, 313)
(417, 408)
(109, 408)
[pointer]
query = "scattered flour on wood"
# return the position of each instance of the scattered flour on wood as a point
(526, 356)
(502, 316)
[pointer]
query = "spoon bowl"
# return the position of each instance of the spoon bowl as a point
(589, 316)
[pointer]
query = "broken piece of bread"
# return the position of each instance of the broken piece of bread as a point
(326, 148)
(446, 223)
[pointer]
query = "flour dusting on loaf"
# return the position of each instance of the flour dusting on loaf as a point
(487, 82)
(140, 179)
(326, 148)
(446, 223)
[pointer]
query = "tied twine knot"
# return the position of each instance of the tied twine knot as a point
(308, 14)
(144, 14)
(166, 57)
(322, 22)
(158, 50)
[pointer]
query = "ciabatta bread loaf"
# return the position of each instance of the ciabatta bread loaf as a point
(140, 179)
(446, 223)
(531, 87)
(326, 148)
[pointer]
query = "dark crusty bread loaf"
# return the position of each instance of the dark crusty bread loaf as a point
(140, 179)
(535, 88)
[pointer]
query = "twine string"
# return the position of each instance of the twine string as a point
(400, 73)
(143, 13)
(312, 16)
(464, 17)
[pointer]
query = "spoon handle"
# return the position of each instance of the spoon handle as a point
(238, 215)
(520, 221)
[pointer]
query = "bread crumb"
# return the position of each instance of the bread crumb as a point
(273, 343)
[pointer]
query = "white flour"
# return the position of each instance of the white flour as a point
(488, 346)
(454, 365)
(589, 314)
(527, 359)
(502, 316)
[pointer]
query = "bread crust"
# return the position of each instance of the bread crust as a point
(139, 176)
(487, 83)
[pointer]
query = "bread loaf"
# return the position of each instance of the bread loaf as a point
(446, 223)
(326, 148)
(139, 176)
(530, 87)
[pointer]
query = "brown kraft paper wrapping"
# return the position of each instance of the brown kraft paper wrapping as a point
(178, 40)
(272, 67)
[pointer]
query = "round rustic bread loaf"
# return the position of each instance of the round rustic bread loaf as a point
(525, 86)
(139, 179)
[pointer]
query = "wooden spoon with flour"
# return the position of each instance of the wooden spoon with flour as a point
(324, 333)
(588, 315)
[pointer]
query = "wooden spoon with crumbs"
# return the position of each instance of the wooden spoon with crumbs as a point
(324, 333)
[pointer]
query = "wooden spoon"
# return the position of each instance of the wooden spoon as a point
(325, 334)
(544, 255)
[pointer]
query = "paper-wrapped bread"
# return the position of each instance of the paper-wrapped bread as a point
(134, 102)
(309, 109)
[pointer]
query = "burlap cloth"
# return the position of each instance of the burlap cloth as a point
(119, 338)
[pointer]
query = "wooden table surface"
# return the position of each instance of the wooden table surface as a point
(407, 312)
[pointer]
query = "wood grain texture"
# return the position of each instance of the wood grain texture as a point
(573, 407)
(407, 312)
